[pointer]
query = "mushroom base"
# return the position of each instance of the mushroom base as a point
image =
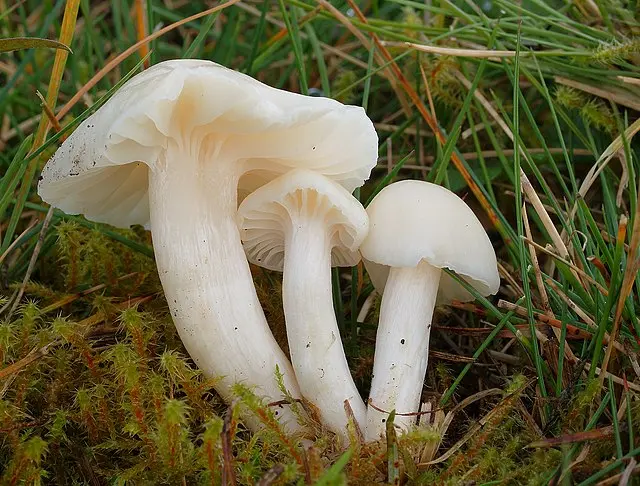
(402, 347)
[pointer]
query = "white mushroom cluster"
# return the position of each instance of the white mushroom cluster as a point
(177, 147)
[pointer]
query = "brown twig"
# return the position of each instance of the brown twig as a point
(271, 475)
(228, 472)
(49, 112)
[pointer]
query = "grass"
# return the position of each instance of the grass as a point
(539, 385)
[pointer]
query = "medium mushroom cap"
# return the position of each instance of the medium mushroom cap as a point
(102, 169)
(412, 221)
(266, 215)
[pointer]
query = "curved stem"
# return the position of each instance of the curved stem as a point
(207, 281)
(402, 346)
(316, 349)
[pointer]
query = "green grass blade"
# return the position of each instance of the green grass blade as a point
(291, 21)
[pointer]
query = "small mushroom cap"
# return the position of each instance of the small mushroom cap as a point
(411, 221)
(266, 215)
(102, 169)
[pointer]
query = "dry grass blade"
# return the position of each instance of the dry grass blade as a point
(551, 229)
(33, 260)
(622, 479)
(34, 355)
(595, 434)
(628, 281)
(544, 298)
(282, 33)
(141, 30)
(134, 48)
(331, 49)
(572, 305)
(305, 464)
(527, 187)
(427, 88)
(352, 419)
(271, 476)
(16, 241)
(604, 159)
(542, 291)
(450, 51)
(7, 134)
(73, 297)
(522, 330)
(628, 80)
(628, 472)
(616, 379)
(454, 358)
(473, 430)
(417, 101)
(84, 326)
(390, 72)
(584, 276)
(624, 178)
(584, 453)
(444, 426)
(572, 331)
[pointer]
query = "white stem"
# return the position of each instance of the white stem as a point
(402, 346)
(207, 281)
(316, 349)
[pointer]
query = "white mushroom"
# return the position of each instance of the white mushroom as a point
(302, 224)
(416, 229)
(169, 149)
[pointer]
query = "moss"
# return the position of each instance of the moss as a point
(151, 417)
(593, 110)
(616, 52)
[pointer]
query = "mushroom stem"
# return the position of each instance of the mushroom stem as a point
(402, 346)
(207, 281)
(316, 349)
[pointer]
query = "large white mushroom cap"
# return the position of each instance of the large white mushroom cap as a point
(411, 221)
(101, 170)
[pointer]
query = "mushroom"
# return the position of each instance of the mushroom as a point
(302, 224)
(416, 229)
(169, 149)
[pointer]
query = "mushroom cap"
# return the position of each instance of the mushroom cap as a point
(101, 170)
(411, 221)
(266, 215)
